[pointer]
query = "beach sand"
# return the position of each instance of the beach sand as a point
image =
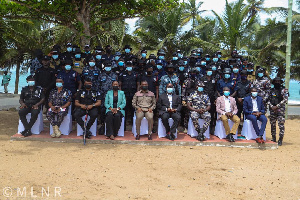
(102, 171)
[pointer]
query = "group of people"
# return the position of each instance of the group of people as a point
(109, 86)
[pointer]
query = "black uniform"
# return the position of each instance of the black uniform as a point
(87, 97)
(30, 98)
(152, 82)
(243, 90)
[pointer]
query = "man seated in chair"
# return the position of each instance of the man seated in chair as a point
(227, 109)
(31, 99)
(254, 110)
(144, 103)
(59, 101)
(199, 105)
(169, 106)
(87, 101)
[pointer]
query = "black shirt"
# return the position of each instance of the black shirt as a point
(210, 86)
(115, 102)
(31, 97)
(128, 83)
(45, 77)
(243, 88)
(152, 82)
(88, 97)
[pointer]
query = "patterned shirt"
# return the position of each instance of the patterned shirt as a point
(263, 87)
(165, 80)
(60, 98)
(198, 101)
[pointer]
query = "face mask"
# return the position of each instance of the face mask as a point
(117, 57)
(215, 59)
(144, 88)
(244, 77)
(209, 73)
(226, 93)
(98, 57)
(175, 58)
(249, 70)
(231, 66)
(180, 55)
(200, 89)
(68, 67)
(54, 57)
(107, 69)
(92, 64)
(207, 59)
(144, 55)
(59, 84)
(149, 72)
(260, 75)
(198, 69)
(88, 86)
(272, 86)
(69, 49)
(115, 88)
(121, 63)
(129, 69)
(87, 52)
(254, 94)
(31, 83)
(194, 54)
(219, 55)
(161, 57)
(227, 76)
(170, 90)
(77, 55)
(159, 66)
(235, 70)
(127, 50)
(185, 62)
(74, 49)
(181, 69)
(203, 63)
(214, 68)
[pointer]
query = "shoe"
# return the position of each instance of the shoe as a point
(149, 137)
(112, 137)
(280, 140)
(88, 134)
(168, 136)
(185, 130)
(137, 137)
(28, 133)
(258, 140)
(231, 139)
(58, 132)
(24, 132)
(273, 138)
(262, 139)
(172, 136)
(102, 129)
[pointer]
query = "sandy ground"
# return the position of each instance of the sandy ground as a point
(99, 171)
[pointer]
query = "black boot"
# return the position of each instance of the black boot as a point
(231, 139)
(280, 140)
(273, 138)
(200, 136)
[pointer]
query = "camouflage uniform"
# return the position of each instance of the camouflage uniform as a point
(199, 101)
(278, 98)
(263, 86)
(106, 81)
(165, 80)
(78, 65)
(92, 74)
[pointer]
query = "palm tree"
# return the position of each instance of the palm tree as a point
(192, 12)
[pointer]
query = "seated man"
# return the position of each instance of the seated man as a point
(87, 101)
(254, 110)
(31, 99)
(144, 103)
(199, 105)
(227, 109)
(169, 106)
(59, 101)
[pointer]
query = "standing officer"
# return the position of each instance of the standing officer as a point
(92, 72)
(199, 105)
(151, 79)
(55, 60)
(78, 61)
(226, 82)
(127, 53)
(170, 78)
(242, 90)
(277, 101)
(87, 100)
(263, 85)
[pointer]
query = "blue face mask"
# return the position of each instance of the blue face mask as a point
(121, 63)
(180, 55)
(214, 68)
(181, 69)
(185, 62)
(159, 67)
(92, 64)
(203, 63)
(249, 70)
(144, 55)
(231, 66)
(77, 55)
(209, 73)
(215, 59)
(175, 58)
(235, 70)
(254, 94)
(31, 83)
(207, 59)
(227, 76)
(260, 75)
(98, 57)
(54, 57)
(129, 69)
(219, 55)
(68, 67)
(200, 89)
(127, 50)
(117, 57)
(59, 84)
(87, 52)
(69, 49)
(226, 93)
(74, 49)
(198, 69)
(272, 86)
(161, 57)
(170, 90)
(107, 69)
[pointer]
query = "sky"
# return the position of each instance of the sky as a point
(219, 5)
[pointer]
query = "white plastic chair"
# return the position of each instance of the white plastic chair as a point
(93, 128)
(121, 130)
(192, 131)
(37, 127)
(143, 128)
(161, 130)
(220, 130)
(249, 132)
(66, 125)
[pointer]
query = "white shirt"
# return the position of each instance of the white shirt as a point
(254, 103)
(227, 104)
(170, 99)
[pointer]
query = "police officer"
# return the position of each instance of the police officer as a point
(108, 56)
(182, 72)
(174, 60)
(169, 78)
(235, 75)
(119, 69)
(31, 99)
(69, 55)
(128, 83)
(151, 79)
(55, 60)
(127, 55)
(226, 82)
(92, 73)
(199, 105)
(242, 90)
(160, 71)
(161, 57)
(87, 101)
(250, 72)
(140, 69)
(78, 61)
(263, 85)
(277, 101)
(98, 56)
(143, 55)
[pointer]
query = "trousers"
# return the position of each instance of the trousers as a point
(113, 123)
(165, 120)
(34, 115)
(235, 126)
(139, 117)
(93, 113)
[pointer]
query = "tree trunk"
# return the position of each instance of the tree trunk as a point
(84, 18)
(17, 76)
